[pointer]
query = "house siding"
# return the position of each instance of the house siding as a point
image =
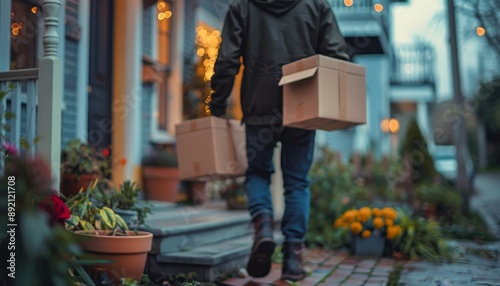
(70, 111)
(341, 142)
(147, 31)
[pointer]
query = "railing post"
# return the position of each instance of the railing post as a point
(50, 92)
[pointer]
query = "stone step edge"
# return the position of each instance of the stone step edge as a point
(197, 226)
(231, 249)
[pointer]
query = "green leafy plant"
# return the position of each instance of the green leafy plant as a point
(447, 200)
(86, 215)
(80, 158)
(160, 155)
(421, 238)
(414, 149)
(125, 199)
(234, 192)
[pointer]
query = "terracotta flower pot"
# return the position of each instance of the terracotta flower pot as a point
(70, 186)
(161, 183)
(129, 253)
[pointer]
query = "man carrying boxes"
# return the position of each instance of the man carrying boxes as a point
(269, 34)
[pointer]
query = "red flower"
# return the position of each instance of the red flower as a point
(56, 209)
(105, 152)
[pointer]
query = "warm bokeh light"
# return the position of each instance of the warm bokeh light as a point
(208, 46)
(168, 14)
(161, 5)
(348, 3)
(480, 31)
(384, 125)
(34, 10)
(394, 125)
(378, 8)
(161, 16)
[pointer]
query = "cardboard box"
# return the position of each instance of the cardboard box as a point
(210, 148)
(320, 92)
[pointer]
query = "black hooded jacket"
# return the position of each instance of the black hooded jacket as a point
(269, 34)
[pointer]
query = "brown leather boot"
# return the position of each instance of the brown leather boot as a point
(293, 268)
(259, 263)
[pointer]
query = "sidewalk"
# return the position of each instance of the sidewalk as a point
(479, 264)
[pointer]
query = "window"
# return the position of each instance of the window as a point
(24, 35)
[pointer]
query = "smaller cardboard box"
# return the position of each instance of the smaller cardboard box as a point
(210, 148)
(324, 93)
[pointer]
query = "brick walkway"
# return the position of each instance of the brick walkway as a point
(330, 269)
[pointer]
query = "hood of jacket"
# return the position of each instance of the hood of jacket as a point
(276, 7)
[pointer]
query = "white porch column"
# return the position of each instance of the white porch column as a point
(50, 78)
(127, 90)
(5, 9)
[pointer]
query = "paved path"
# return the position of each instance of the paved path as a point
(329, 269)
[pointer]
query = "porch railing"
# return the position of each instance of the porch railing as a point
(352, 5)
(21, 101)
(412, 64)
(37, 94)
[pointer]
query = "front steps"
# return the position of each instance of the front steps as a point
(209, 240)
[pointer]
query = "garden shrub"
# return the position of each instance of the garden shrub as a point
(414, 148)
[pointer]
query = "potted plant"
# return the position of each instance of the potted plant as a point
(369, 229)
(160, 174)
(108, 238)
(81, 164)
(124, 202)
(235, 195)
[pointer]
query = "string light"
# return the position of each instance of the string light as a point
(480, 31)
(378, 7)
(208, 47)
(163, 12)
(348, 3)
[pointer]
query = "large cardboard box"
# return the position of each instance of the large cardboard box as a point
(210, 148)
(320, 92)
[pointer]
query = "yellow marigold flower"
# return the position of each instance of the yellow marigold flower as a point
(389, 222)
(350, 215)
(389, 213)
(366, 233)
(356, 227)
(337, 223)
(378, 223)
(376, 212)
(393, 231)
(365, 211)
(363, 217)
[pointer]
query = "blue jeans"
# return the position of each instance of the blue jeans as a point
(297, 147)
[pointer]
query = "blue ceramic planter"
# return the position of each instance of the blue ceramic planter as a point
(371, 246)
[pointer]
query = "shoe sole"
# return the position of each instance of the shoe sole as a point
(293, 277)
(259, 264)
